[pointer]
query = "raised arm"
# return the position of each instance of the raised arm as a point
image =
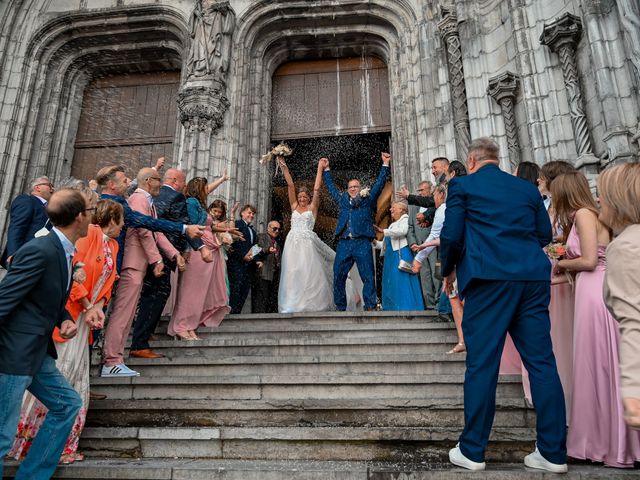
(376, 190)
(291, 189)
(328, 180)
(315, 201)
(217, 182)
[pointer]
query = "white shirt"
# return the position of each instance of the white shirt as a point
(436, 228)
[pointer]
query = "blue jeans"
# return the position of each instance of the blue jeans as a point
(50, 387)
(444, 305)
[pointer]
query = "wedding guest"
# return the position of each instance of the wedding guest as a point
(528, 171)
(491, 214)
(560, 306)
(225, 230)
(419, 230)
(27, 215)
(430, 244)
(142, 252)
(170, 204)
(306, 267)
(33, 295)
(400, 288)
(95, 256)
(241, 263)
(548, 173)
(265, 287)
(619, 189)
(600, 434)
(354, 231)
(114, 184)
(202, 297)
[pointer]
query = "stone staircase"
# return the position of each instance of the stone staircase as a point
(329, 396)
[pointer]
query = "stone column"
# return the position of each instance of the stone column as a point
(504, 88)
(629, 13)
(562, 37)
(448, 27)
(202, 100)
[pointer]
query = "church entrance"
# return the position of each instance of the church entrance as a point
(334, 108)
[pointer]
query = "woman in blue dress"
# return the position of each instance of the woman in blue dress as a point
(400, 288)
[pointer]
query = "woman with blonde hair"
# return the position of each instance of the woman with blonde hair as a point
(619, 189)
(600, 434)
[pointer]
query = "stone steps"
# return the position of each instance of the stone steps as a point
(348, 412)
(278, 387)
(347, 364)
(180, 469)
(429, 444)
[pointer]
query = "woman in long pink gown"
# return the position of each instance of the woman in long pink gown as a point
(202, 297)
(601, 434)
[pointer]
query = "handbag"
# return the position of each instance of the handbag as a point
(405, 266)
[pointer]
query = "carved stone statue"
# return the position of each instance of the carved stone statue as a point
(210, 27)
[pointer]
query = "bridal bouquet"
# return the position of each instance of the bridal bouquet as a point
(279, 151)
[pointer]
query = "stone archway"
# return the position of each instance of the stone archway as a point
(64, 55)
(272, 33)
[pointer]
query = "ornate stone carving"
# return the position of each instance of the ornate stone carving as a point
(561, 37)
(629, 13)
(504, 88)
(448, 27)
(202, 108)
(210, 27)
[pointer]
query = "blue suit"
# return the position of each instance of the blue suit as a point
(241, 273)
(27, 215)
(494, 231)
(355, 232)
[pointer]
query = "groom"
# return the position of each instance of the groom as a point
(355, 232)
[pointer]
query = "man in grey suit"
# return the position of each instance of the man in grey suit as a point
(419, 229)
(264, 296)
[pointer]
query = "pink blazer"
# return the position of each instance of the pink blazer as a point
(141, 248)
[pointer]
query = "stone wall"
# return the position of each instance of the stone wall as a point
(49, 51)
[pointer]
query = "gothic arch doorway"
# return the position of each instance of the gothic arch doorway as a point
(338, 108)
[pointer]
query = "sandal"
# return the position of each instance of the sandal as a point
(194, 336)
(67, 459)
(459, 348)
(182, 336)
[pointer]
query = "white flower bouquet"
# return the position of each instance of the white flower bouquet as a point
(281, 150)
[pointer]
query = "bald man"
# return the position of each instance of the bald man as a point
(171, 205)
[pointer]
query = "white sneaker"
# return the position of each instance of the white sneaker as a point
(457, 458)
(120, 370)
(536, 460)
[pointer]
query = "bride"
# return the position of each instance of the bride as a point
(306, 274)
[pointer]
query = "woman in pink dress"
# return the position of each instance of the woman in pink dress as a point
(560, 306)
(601, 434)
(202, 297)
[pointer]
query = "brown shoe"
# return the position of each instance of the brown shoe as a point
(153, 338)
(96, 396)
(145, 353)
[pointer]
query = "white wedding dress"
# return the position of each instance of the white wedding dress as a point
(306, 270)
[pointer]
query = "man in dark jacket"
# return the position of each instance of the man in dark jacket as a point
(27, 216)
(32, 302)
(264, 296)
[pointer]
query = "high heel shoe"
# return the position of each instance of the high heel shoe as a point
(194, 335)
(182, 336)
(459, 348)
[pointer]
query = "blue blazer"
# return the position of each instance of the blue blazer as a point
(358, 212)
(33, 296)
(495, 228)
(241, 247)
(172, 205)
(26, 216)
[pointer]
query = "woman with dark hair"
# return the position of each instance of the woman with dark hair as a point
(95, 258)
(528, 171)
(456, 169)
(597, 430)
(202, 297)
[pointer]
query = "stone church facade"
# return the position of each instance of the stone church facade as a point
(210, 83)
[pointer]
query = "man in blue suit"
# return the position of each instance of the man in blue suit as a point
(355, 233)
(33, 296)
(495, 228)
(27, 215)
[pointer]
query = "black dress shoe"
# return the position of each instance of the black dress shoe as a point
(445, 317)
